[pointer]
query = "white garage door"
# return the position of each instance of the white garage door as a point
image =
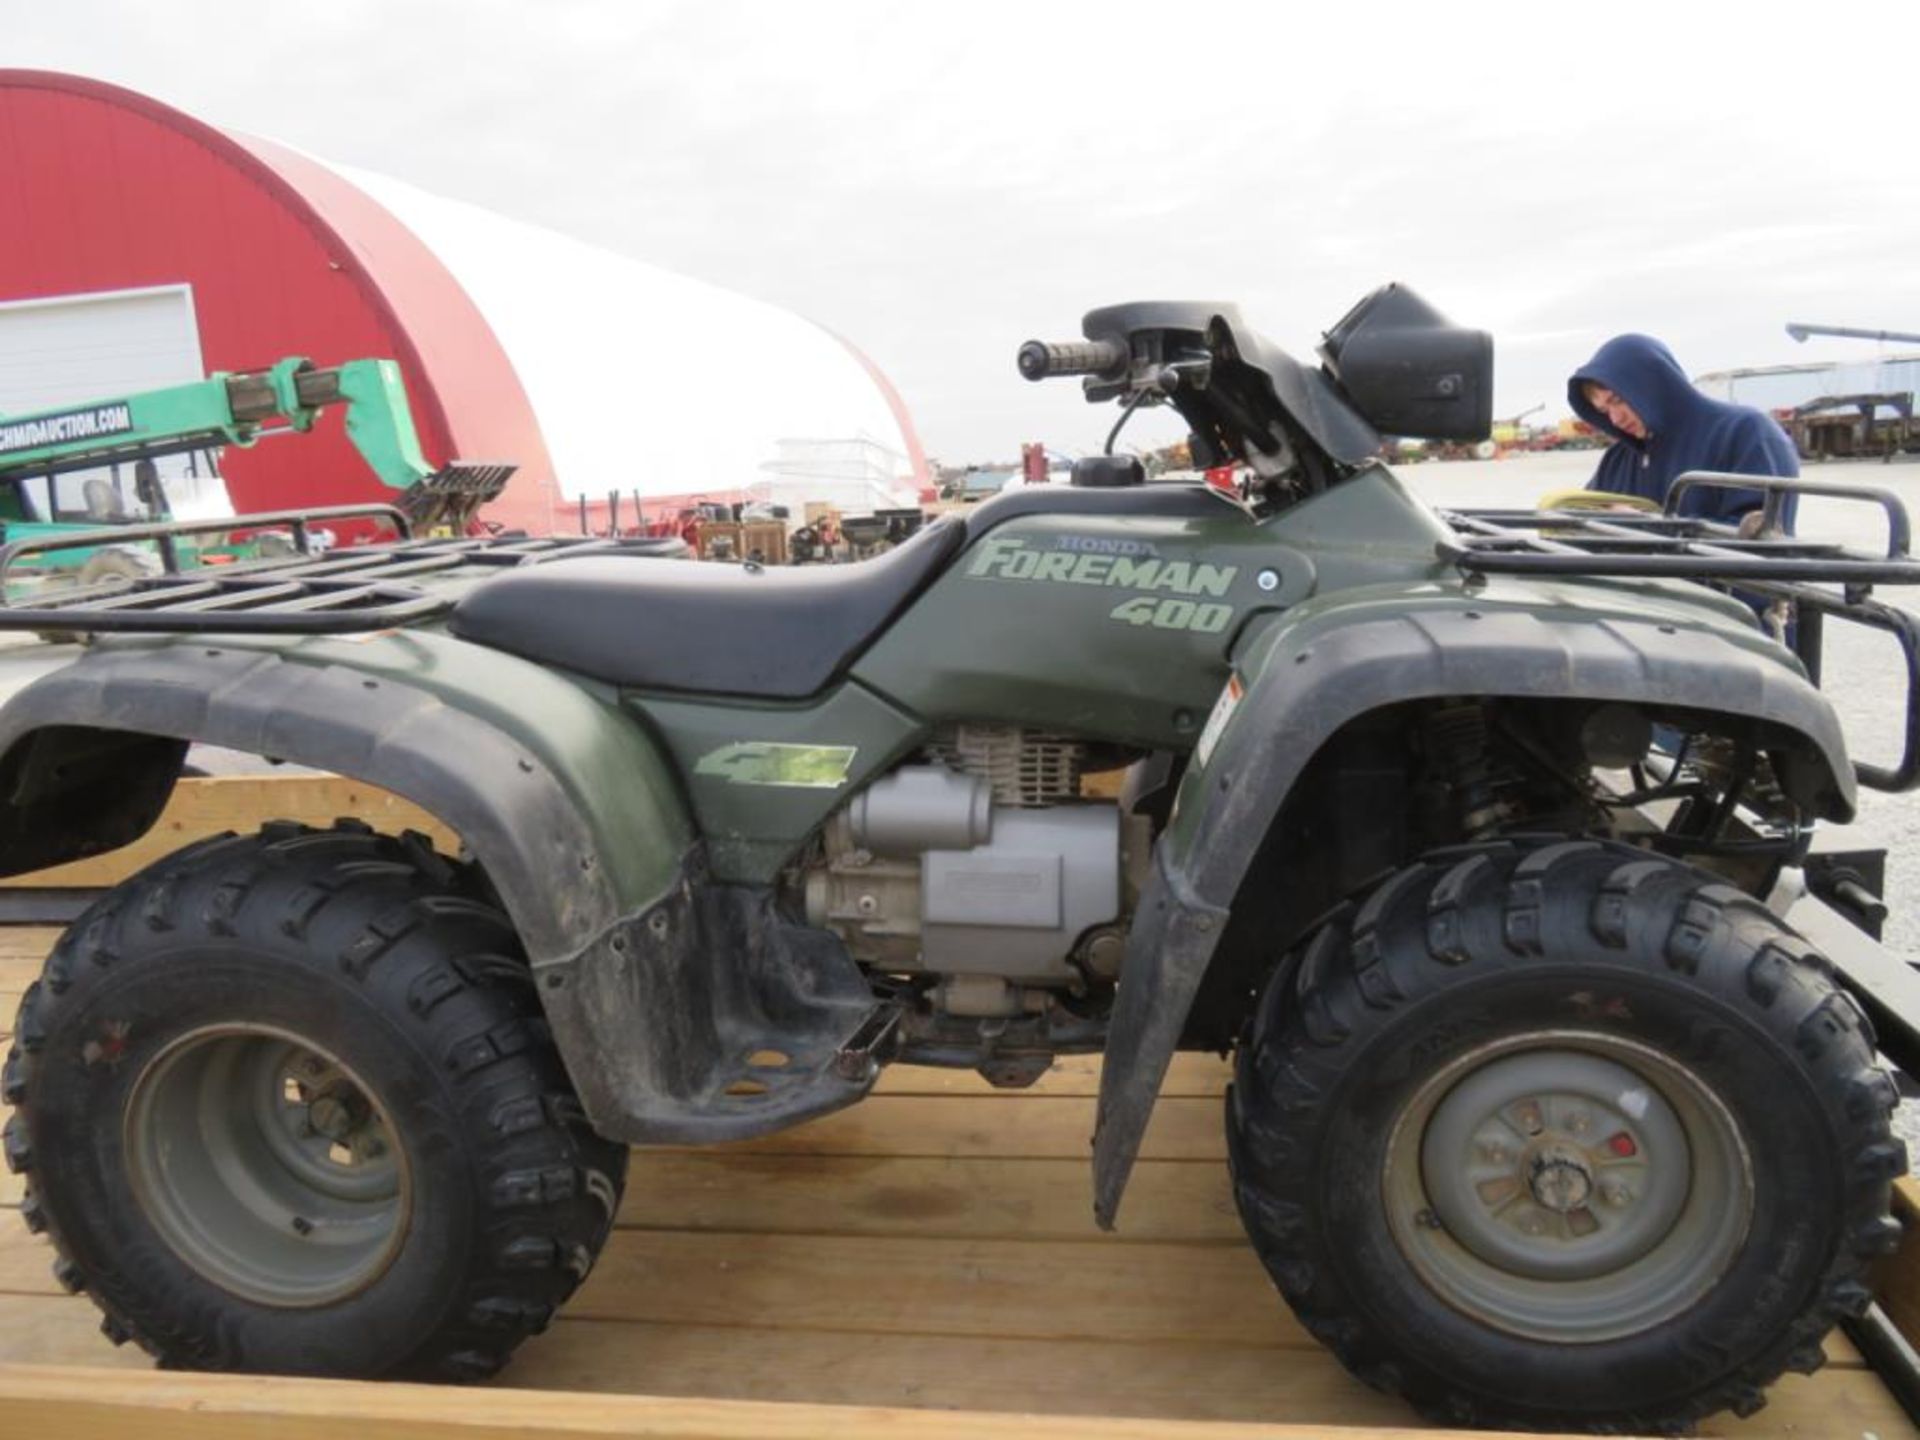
(88, 347)
(71, 348)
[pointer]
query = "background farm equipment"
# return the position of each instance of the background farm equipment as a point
(1847, 427)
(93, 467)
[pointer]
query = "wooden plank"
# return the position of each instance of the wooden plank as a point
(46, 1400)
(1018, 1127)
(1001, 1290)
(16, 973)
(27, 943)
(1166, 1384)
(1897, 1277)
(1172, 1381)
(61, 1330)
(1165, 1377)
(1190, 1075)
(990, 1289)
(887, 1195)
(878, 1195)
(26, 1260)
(207, 806)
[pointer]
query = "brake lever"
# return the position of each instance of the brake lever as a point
(1164, 379)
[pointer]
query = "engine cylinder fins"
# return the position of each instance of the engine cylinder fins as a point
(1027, 769)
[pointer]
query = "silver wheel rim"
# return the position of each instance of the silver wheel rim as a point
(1567, 1185)
(267, 1165)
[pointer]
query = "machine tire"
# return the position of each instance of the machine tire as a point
(120, 562)
(340, 1020)
(124, 565)
(1428, 1125)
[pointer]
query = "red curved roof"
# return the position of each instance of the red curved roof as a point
(916, 453)
(119, 191)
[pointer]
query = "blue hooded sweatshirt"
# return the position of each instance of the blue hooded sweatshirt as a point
(1685, 431)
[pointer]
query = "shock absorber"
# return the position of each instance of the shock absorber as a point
(1458, 752)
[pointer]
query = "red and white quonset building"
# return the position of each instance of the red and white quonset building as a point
(145, 248)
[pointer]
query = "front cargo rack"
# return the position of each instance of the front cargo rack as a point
(1798, 582)
(310, 592)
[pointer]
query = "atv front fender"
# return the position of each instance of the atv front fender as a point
(1320, 667)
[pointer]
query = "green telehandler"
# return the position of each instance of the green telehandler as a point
(78, 469)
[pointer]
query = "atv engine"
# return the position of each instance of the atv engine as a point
(980, 867)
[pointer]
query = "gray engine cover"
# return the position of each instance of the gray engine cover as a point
(1015, 906)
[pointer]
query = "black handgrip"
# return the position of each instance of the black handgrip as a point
(1039, 360)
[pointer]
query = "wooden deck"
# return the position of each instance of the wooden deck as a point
(925, 1263)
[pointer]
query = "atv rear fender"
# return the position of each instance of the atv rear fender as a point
(564, 801)
(570, 811)
(1324, 665)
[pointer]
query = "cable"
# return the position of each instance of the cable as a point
(1126, 413)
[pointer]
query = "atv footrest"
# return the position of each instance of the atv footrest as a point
(714, 1018)
(865, 1049)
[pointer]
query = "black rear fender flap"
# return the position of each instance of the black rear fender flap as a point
(93, 751)
(1304, 683)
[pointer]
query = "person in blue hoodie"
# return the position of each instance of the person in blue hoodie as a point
(1634, 390)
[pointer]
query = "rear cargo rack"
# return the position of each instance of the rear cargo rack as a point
(1797, 574)
(361, 587)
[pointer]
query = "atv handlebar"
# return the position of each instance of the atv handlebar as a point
(1040, 360)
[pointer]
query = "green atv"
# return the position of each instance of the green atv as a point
(1469, 836)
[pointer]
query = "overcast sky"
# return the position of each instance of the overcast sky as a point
(940, 182)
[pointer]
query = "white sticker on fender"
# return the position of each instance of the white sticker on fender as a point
(1223, 709)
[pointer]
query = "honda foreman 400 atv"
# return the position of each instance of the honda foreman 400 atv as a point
(1483, 842)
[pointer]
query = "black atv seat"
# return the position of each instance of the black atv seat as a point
(776, 633)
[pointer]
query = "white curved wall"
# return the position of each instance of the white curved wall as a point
(643, 380)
